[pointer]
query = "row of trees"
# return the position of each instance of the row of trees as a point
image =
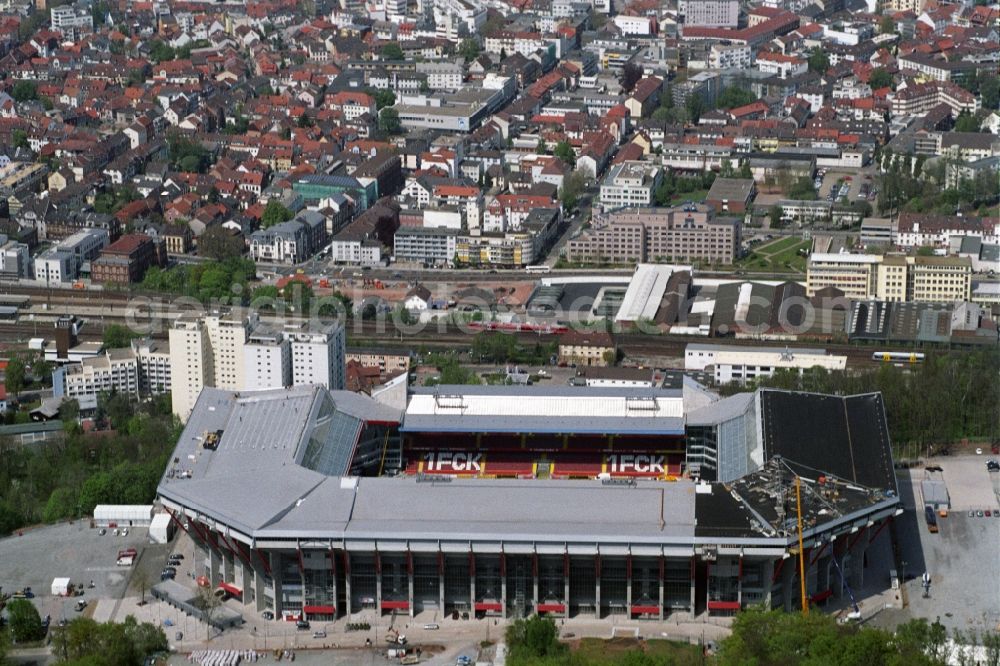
(220, 280)
(86, 642)
(947, 398)
(913, 184)
(66, 479)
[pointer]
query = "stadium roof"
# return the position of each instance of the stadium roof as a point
(549, 409)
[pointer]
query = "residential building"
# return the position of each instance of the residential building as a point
(710, 13)
(73, 21)
(595, 348)
(427, 246)
(267, 359)
(15, 259)
(630, 184)
(126, 260)
(318, 355)
(388, 362)
(140, 370)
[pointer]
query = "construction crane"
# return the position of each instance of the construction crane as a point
(802, 557)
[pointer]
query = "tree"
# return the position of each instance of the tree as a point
(117, 336)
(19, 138)
(774, 214)
(573, 185)
(564, 151)
(25, 623)
(388, 120)
(24, 91)
(384, 98)
(469, 49)
(220, 243)
(695, 106)
(966, 122)
(989, 90)
(819, 61)
(392, 51)
(274, 213)
(533, 639)
(732, 97)
(631, 73)
(159, 51)
(16, 376)
(304, 120)
(880, 79)
(745, 171)
(62, 504)
(887, 26)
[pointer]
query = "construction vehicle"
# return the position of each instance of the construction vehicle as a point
(393, 637)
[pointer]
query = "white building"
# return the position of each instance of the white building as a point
(55, 266)
(191, 367)
(62, 262)
(710, 13)
(731, 363)
(630, 184)
(318, 357)
(73, 22)
(268, 360)
(15, 259)
(142, 369)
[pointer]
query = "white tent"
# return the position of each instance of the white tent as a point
(60, 587)
(161, 530)
(123, 515)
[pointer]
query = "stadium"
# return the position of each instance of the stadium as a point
(504, 501)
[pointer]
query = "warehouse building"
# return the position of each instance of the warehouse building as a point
(289, 497)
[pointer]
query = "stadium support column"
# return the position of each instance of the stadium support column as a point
(378, 584)
(348, 600)
(628, 585)
(566, 584)
(441, 581)
(409, 578)
(597, 585)
(503, 585)
(534, 580)
(275, 564)
(215, 567)
(472, 583)
(768, 582)
(694, 574)
(662, 567)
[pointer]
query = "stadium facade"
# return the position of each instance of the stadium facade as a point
(508, 501)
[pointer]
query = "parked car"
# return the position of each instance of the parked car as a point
(177, 556)
(267, 615)
(302, 625)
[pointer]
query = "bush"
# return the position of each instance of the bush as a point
(25, 622)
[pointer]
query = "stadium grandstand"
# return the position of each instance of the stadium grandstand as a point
(505, 501)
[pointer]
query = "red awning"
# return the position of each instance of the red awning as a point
(488, 606)
(821, 596)
(231, 589)
(652, 610)
(551, 608)
(723, 605)
(395, 605)
(319, 610)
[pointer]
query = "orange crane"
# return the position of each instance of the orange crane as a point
(802, 557)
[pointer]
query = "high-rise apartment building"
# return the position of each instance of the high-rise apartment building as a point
(318, 356)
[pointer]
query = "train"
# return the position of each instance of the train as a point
(519, 327)
(898, 357)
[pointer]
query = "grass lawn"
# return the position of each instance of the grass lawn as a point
(598, 651)
(778, 245)
(774, 256)
(696, 196)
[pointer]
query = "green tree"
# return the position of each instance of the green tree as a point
(62, 504)
(533, 639)
(388, 120)
(732, 97)
(24, 91)
(564, 151)
(989, 91)
(275, 213)
(819, 61)
(25, 623)
(117, 336)
(16, 376)
(19, 138)
(880, 79)
(573, 185)
(887, 26)
(160, 51)
(774, 214)
(304, 120)
(220, 243)
(966, 122)
(469, 49)
(695, 106)
(392, 51)
(384, 98)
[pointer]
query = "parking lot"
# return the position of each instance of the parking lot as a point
(71, 550)
(962, 558)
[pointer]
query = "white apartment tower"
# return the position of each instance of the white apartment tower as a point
(267, 358)
(318, 356)
(191, 363)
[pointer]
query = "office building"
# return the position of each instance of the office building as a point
(892, 277)
(630, 184)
